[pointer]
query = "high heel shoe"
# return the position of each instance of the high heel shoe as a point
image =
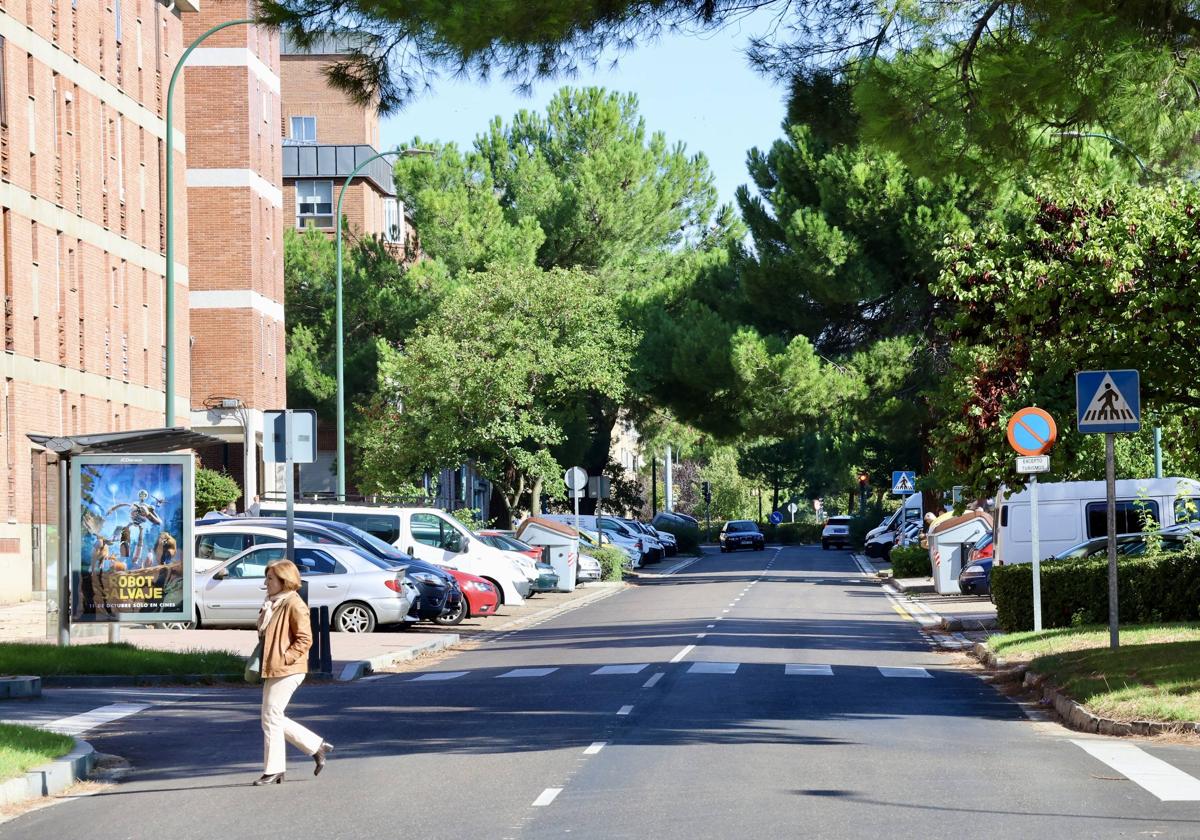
(319, 756)
(269, 779)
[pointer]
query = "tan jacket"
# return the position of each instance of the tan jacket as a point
(287, 639)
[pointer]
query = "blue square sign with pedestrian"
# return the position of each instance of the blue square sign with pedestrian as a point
(1108, 401)
(904, 482)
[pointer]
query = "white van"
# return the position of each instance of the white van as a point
(425, 533)
(1070, 512)
(878, 541)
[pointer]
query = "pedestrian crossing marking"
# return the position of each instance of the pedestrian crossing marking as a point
(919, 673)
(527, 672)
(1168, 783)
(1109, 405)
(713, 668)
(796, 670)
(621, 669)
(439, 676)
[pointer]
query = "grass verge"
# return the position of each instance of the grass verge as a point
(22, 748)
(44, 660)
(1153, 675)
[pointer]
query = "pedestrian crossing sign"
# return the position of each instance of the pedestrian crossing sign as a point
(1108, 401)
(904, 482)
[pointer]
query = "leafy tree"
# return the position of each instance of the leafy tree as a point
(486, 376)
(214, 490)
(583, 186)
(951, 83)
(382, 300)
(1090, 279)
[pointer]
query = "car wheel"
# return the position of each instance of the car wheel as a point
(454, 618)
(499, 592)
(824, 545)
(353, 617)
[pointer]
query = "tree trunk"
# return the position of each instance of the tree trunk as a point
(535, 498)
(602, 418)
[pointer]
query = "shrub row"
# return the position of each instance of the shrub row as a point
(612, 562)
(793, 533)
(910, 561)
(1151, 588)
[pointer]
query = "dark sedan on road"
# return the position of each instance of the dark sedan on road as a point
(741, 533)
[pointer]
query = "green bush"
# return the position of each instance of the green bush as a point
(214, 490)
(612, 562)
(911, 561)
(1151, 588)
(793, 533)
(686, 536)
(864, 521)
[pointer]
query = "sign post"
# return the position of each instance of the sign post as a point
(1109, 402)
(1032, 432)
(290, 437)
(792, 511)
(576, 479)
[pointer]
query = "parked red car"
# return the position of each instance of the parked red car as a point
(505, 541)
(479, 599)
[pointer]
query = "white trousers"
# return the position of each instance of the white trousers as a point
(278, 728)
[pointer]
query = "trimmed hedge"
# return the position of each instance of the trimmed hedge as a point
(793, 533)
(911, 561)
(1151, 588)
(612, 562)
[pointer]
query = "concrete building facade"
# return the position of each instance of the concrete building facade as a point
(82, 125)
(235, 234)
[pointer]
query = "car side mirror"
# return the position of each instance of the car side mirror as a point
(221, 575)
(410, 551)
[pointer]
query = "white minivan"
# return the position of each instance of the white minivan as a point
(1070, 512)
(425, 533)
(879, 540)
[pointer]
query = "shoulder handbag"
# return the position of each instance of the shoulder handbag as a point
(253, 672)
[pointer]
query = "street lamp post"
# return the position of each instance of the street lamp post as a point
(169, 303)
(1123, 146)
(341, 381)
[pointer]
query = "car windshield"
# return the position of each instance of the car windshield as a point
(983, 542)
(508, 543)
(741, 525)
(373, 544)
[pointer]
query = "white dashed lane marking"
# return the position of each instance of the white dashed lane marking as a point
(439, 675)
(653, 681)
(546, 797)
(624, 710)
(1168, 783)
(713, 668)
(595, 748)
(78, 724)
(919, 673)
(808, 670)
(621, 669)
(683, 653)
(527, 672)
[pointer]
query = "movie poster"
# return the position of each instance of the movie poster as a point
(132, 518)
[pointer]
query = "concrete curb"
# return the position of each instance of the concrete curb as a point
(20, 688)
(1071, 714)
(51, 778)
(954, 623)
(128, 680)
(357, 670)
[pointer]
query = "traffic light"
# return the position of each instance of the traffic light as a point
(862, 479)
(707, 488)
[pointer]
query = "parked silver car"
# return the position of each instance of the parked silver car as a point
(362, 592)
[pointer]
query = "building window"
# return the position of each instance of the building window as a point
(393, 221)
(32, 116)
(304, 129)
(3, 95)
(314, 204)
(117, 20)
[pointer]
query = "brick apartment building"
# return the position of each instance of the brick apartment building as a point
(82, 106)
(235, 234)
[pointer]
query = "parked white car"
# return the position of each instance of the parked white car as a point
(362, 592)
(219, 541)
(588, 569)
(427, 534)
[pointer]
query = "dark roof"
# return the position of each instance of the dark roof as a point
(134, 440)
(323, 160)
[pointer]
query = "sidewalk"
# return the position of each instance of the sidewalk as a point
(952, 613)
(354, 654)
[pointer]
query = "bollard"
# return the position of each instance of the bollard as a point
(320, 655)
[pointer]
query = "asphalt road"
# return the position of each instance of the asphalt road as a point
(770, 693)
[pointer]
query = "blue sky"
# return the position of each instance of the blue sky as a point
(698, 90)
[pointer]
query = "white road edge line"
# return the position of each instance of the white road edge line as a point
(624, 710)
(701, 635)
(1167, 782)
(547, 797)
(595, 748)
(682, 653)
(653, 681)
